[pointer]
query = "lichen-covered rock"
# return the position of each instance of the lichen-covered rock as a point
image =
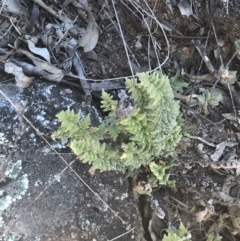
(36, 203)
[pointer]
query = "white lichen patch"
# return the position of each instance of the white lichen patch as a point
(47, 91)
(93, 111)
(58, 146)
(38, 183)
(13, 169)
(15, 188)
(3, 140)
(12, 237)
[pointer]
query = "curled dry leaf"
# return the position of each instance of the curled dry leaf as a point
(220, 149)
(169, 4)
(80, 4)
(91, 171)
(143, 188)
(43, 52)
(198, 79)
(237, 46)
(14, 6)
(190, 100)
(226, 198)
(231, 116)
(234, 212)
(22, 80)
(185, 8)
(90, 38)
(54, 74)
(202, 215)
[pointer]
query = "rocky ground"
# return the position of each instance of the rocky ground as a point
(86, 46)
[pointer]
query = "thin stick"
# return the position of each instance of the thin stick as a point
(123, 39)
(202, 140)
(234, 108)
(216, 38)
(160, 25)
(122, 234)
(15, 26)
(114, 24)
(2, 6)
(54, 13)
(230, 92)
(231, 59)
(227, 8)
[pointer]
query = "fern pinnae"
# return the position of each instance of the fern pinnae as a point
(149, 130)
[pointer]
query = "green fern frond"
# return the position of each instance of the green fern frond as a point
(209, 98)
(152, 129)
(159, 172)
(180, 234)
(108, 104)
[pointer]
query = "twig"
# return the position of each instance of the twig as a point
(227, 8)
(185, 37)
(33, 19)
(200, 66)
(114, 24)
(123, 39)
(122, 234)
(217, 42)
(150, 36)
(10, 19)
(2, 6)
(54, 13)
(184, 205)
(202, 116)
(63, 35)
(234, 108)
(216, 38)
(231, 59)
(134, 3)
(202, 140)
(55, 179)
(206, 60)
(77, 64)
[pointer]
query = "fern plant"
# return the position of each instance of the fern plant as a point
(149, 128)
(176, 84)
(209, 98)
(181, 234)
(158, 176)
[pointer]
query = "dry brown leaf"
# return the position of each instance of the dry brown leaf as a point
(43, 52)
(200, 78)
(220, 148)
(91, 171)
(185, 8)
(14, 6)
(22, 80)
(226, 198)
(55, 74)
(202, 215)
(80, 4)
(90, 38)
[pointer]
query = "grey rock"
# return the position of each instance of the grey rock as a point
(45, 205)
